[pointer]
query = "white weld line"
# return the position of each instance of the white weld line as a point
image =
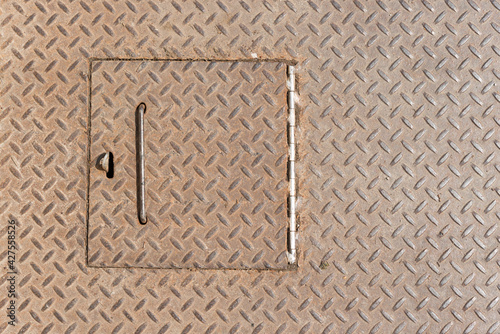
(292, 230)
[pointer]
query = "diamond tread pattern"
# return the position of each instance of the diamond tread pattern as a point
(216, 165)
(398, 166)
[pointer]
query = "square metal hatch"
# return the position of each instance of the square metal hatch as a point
(215, 164)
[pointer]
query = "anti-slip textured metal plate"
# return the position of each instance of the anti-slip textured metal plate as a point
(216, 157)
(398, 166)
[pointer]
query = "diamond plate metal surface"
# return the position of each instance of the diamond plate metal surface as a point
(398, 166)
(216, 164)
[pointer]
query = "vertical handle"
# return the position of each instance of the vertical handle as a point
(141, 183)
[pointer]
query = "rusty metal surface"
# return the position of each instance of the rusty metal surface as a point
(398, 166)
(215, 165)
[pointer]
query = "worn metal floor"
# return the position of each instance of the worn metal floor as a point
(398, 164)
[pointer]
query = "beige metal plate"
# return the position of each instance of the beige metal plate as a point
(398, 166)
(216, 157)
